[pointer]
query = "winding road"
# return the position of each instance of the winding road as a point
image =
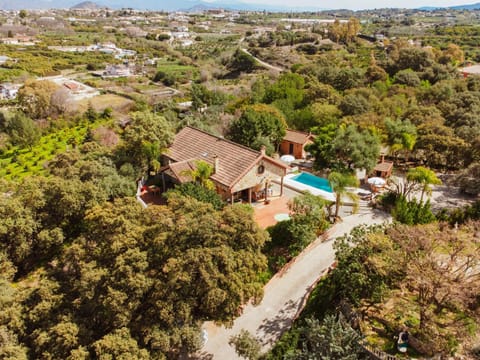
(284, 295)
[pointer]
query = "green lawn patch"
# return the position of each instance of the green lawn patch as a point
(177, 70)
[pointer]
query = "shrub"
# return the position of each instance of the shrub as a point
(163, 37)
(166, 79)
(308, 220)
(199, 193)
(412, 212)
(461, 215)
(246, 345)
(407, 77)
(242, 61)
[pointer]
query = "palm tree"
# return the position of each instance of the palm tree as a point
(152, 152)
(201, 174)
(424, 177)
(339, 182)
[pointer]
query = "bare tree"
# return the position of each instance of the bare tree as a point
(442, 267)
(60, 100)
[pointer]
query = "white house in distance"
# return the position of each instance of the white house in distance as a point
(115, 71)
(20, 40)
(186, 43)
(105, 48)
(4, 59)
(470, 70)
(9, 91)
(177, 35)
(75, 90)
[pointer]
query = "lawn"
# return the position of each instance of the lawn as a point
(17, 163)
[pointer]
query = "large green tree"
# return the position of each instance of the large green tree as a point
(242, 62)
(401, 135)
(143, 280)
(356, 148)
(144, 138)
(40, 214)
(330, 339)
(23, 131)
(256, 122)
(35, 98)
(345, 148)
(469, 179)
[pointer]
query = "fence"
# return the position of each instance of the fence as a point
(376, 354)
(140, 184)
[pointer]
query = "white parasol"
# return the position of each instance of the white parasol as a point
(376, 181)
(287, 158)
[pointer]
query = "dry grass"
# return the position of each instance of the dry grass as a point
(101, 102)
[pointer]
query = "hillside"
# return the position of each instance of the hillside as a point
(86, 5)
(466, 7)
(457, 7)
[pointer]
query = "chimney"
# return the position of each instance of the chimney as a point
(263, 149)
(216, 164)
(383, 158)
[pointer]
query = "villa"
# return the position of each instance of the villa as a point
(239, 173)
(120, 70)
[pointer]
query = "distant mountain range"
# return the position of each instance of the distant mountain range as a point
(173, 5)
(457, 7)
(167, 5)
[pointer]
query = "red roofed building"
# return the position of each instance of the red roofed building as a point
(383, 169)
(294, 143)
(238, 171)
(70, 85)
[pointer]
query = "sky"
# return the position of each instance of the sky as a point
(361, 4)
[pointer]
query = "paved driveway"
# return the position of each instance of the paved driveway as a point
(284, 294)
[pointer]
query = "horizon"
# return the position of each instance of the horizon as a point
(352, 5)
(257, 5)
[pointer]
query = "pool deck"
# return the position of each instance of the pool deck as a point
(265, 214)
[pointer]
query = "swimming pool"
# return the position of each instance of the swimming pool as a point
(311, 183)
(314, 181)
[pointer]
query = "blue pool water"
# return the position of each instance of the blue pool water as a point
(314, 181)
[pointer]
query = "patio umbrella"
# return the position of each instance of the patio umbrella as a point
(376, 181)
(287, 158)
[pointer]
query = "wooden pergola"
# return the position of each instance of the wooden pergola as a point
(383, 169)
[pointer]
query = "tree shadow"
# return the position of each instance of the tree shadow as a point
(271, 329)
(445, 196)
(232, 75)
(201, 355)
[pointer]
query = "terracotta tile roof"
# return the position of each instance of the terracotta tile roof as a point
(71, 85)
(180, 170)
(384, 166)
(235, 160)
(297, 137)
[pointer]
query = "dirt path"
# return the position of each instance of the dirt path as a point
(284, 294)
(263, 63)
